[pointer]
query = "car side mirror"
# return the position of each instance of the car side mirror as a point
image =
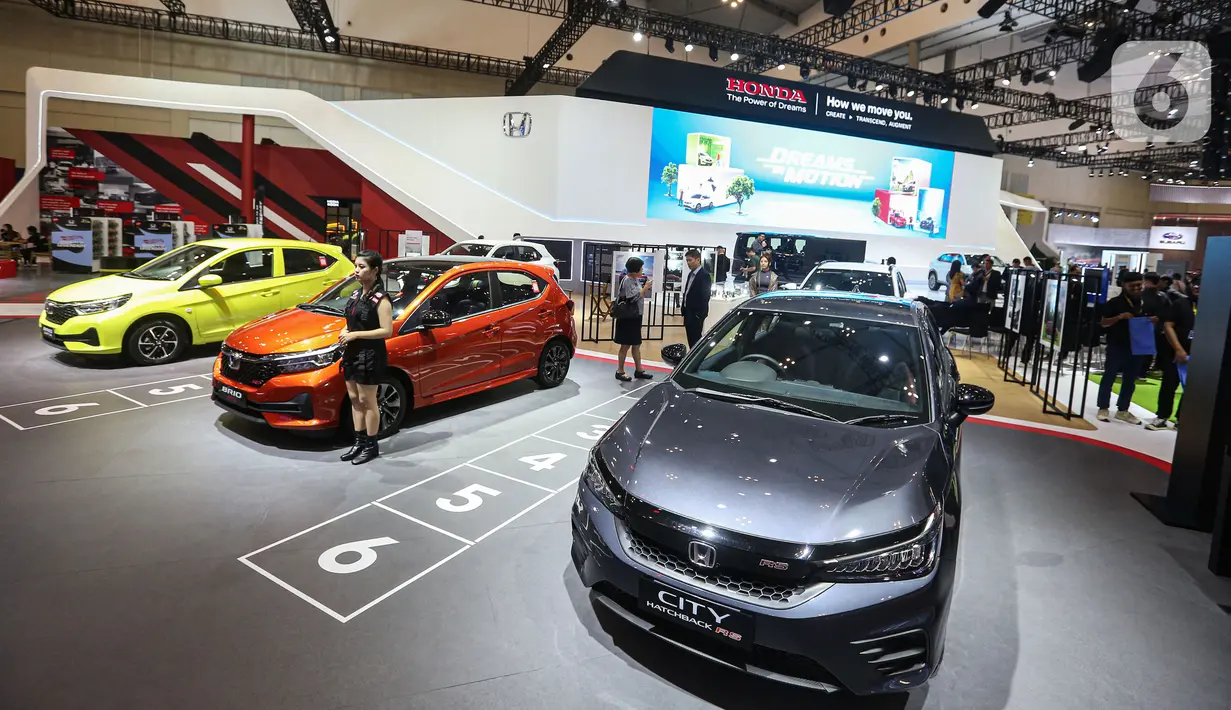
(674, 354)
(209, 280)
(972, 400)
(435, 318)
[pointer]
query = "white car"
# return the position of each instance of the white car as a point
(856, 277)
(512, 249)
(938, 270)
(698, 202)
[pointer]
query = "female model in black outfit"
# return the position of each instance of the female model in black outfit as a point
(369, 321)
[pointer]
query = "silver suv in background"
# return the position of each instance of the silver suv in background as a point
(938, 270)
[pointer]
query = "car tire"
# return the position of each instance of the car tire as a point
(933, 282)
(156, 341)
(391, 394)
(554, 364)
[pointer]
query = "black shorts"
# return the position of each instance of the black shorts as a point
(364, 365)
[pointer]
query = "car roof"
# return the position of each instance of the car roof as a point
(842, 304)
(450, 262)
(499, 242)
(855, 266)
(245, 242)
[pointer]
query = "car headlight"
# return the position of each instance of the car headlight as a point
(603, 484)
(309, 360)
(906, 560)
(102, 305)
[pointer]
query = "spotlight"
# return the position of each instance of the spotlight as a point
(1091, 172)
(880, 86)
(1008, 24)
(804, 71)
(850, 82)
(688, 47)
(1040, 77)
(1026, 77)
(1083, 148)
(330, 39)
(1077, 124)
(669, 45)
(1051, 73)
(714, 54)
(1094, 219)
(637, 36)
(735, 56)
(1145, 177)
(944, 100)
(781, 67)
(991, 7)
(1005, 81)
(546, 65)
(910, 93)
(974, 105)
(961, 103)
(1030, 164)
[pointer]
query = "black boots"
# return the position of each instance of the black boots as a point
(355, 448)
(367, 451)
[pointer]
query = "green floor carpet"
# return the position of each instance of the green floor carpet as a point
(1145, 394)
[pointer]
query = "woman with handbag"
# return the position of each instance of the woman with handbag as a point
(627, 310)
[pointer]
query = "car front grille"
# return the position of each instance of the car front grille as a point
(756, 591)
(245, 368)
(58, 312)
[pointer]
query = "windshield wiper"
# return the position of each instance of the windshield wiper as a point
(134, 275)
(320, 308)
(764, 402)
(877, 418)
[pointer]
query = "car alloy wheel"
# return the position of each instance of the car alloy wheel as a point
(554, 364)
(391, 401)
(933, 283)
(156, 342)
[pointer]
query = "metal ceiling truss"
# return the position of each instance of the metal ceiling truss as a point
(581, 16)
(1099, 107)
(175, 6)
(1045, 145)
(154, 20)
(837, 28)
(314, 16)
(1176, 160)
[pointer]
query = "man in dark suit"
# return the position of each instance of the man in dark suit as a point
(984, 284)
(696, 297)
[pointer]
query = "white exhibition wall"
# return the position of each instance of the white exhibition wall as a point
(580, 173)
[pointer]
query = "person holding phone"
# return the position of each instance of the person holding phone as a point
(369, 321)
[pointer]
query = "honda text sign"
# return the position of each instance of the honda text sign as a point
(1160, 91)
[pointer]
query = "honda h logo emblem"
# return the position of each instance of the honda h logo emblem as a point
(517, 124)
(702, 554)
(233, 362)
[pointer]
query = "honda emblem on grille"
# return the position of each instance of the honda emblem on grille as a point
(233, 361)
(702, 554)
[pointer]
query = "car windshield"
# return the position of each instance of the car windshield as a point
(853, 280)
(839, 367)
(403, 281)
(469, 250)
(175, 264)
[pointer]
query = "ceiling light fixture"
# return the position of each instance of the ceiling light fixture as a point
(637, 36)
(688, 47)
(735, 56)
(781, 67)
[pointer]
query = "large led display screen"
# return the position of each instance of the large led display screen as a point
(712, 169)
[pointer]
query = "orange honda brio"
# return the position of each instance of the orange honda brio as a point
(460, 325)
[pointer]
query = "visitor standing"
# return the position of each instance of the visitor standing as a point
(369, 321)
(627, 311)
(1120, 358)
(696, 297)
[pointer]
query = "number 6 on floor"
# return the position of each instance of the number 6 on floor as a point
(470, 494)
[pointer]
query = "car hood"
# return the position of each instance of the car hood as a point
(292, 330)
(771, 474)
(110, 287)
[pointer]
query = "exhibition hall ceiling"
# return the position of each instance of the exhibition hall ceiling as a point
(1014, 63)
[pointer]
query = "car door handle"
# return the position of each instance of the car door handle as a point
(268, 294)
(491, 330)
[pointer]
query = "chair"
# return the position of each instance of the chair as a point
(978, 328)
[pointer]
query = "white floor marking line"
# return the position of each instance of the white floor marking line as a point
(541, 501)
(377, 502)
(77, 419)
(301, 532)
(562, 443)
(130, 399)
(401, 586)
(511, 478)
(210, 376)
(429, 526)
(82, 394)
(181, 399)
(15, 424)
(295, 591)
(596, 416)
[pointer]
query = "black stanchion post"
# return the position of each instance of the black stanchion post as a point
(1220, 546)
(1193, 489)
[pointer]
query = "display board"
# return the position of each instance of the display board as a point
(72, 245)
(152, 239)
(653, 265)
(1177, 238)
(561, 250)
(713, 169)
